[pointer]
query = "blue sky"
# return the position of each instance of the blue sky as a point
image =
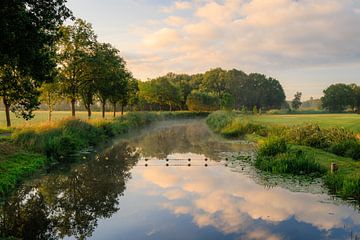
(306, 44)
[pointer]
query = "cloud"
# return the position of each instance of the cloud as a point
(253, 35)
(175, 21)
(178, 5)
(211, 200)
(165, 37)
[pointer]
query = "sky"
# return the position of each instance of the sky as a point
(305, 44)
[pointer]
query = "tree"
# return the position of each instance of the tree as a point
(50, 95)
(29, 30)
(227, 102)
(337, 97)
(20, 94)
(110, 74)
(75, 48)
(131, 95)
(296, 102)
(356, 98)
(214, 81)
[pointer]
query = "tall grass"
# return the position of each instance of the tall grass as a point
(230, 124)
(275, 156)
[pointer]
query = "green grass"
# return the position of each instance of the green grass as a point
(18, 166)
(348, 121)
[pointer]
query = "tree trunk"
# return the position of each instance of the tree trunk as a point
(170, 107)
(73, 101)
(103, 109)
(114, 106)
(89, 112)
(50, 114)
(122, 109)
(7, 112)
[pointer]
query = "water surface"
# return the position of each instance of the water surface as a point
(127, 191)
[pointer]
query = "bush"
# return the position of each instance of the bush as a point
(199, 101)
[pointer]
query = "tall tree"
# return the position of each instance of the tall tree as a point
(75, 47)
(110, 74)
(29, 30)
(337, 97)
(296, 102)
(131, 95)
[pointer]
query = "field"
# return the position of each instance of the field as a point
(42, 116)
(349, 121)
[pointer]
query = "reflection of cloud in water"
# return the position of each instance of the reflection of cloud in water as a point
(231, 202)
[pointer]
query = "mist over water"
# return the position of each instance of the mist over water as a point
(142, 187)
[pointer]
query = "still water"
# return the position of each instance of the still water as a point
(127, 191)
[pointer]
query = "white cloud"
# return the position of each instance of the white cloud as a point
(178, 5)
(175, 21)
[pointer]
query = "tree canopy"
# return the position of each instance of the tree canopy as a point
(29, 31)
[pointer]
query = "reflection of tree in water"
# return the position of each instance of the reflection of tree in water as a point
(70, 204)
(194, 138)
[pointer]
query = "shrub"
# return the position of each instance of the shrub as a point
(199, 101)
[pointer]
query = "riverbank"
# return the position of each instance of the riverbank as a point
(306, 149)
(30, 149)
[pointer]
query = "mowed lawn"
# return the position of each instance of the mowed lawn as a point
(349, 121)
(42, 116)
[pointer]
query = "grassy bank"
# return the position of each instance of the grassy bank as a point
(31, 148)
(306, 149)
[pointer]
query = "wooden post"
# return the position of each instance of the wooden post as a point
(333, 168)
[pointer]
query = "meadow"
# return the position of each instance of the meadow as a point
(348, 121)
(42, 116)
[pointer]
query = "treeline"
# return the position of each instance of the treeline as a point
(44, 61)
(212, 90)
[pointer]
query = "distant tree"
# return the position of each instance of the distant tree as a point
(214, 81)
(296, 102)
(75, 48)
(337, 97)
(356, 98)
(131, 96)
(263, 92)
(255, 110)
(235, 85)
(201, 101)
(244, 110)
(227, 102)
(50, 95)
(29, 30)
(183, 82)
